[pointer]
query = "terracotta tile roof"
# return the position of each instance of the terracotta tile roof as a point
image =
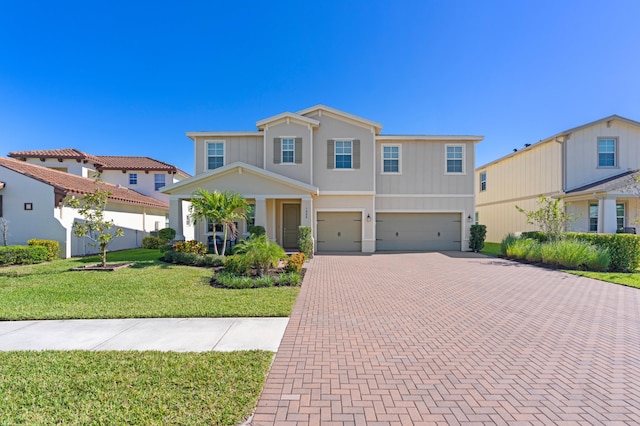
(69, 184)
(64, 153)
(102, 162)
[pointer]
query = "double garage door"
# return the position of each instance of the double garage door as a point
(342, 231)
(418, 231)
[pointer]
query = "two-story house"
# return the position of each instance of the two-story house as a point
(142, 174)
(592, 167)
(359, 190)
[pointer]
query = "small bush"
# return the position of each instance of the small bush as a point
(238, 265)
(257, 230)
(289, 279)
(305, 241)
(535, 253)
(506, 242)
(520, 248)
(476, 240)
(231, 280)
(572, 254)
(598, 259)
(261, 253)
(52, 246)
(295, 262)
(205, 261)
(23, 255)
(167, 234)
(191, 246)
(151, 242)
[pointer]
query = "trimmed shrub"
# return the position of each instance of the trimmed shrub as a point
(52, 246)
(167, 234)
(305, 241)
(193, 259)
(151, 242)
(508, 240)
(257, 230)
(476, 240)
(540, 237)
(191, 246)
(231, 280)
(238, 265)
(23, 255)
(295, 262)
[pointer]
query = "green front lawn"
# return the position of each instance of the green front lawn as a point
(628, 279)
(150, 388)
(150, 289)
(491, 249)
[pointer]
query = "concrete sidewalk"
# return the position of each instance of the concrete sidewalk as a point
(144, 334)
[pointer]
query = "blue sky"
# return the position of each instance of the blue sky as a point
(131, 77)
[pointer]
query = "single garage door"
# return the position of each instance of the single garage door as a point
(417, 231)
(339, 231)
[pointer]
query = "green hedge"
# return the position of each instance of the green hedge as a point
(23, 255)
(193, 259)
(624, 249)
(53, 247)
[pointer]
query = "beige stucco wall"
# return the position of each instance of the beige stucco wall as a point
(300, 172)
(582, 153)
(247, 149)
(361, 179)
(71, 165)
(145, 185)
(423, 169)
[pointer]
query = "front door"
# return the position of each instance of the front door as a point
(290, 224)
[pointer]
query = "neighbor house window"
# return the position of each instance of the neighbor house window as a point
(477, 218)
(606, 152)
(455, 155)
(483, 181)
(158, 181)
(133, 178)
(215, 155)
(390, 158)
(288, 150)
(344, 155)
(593, 217)
(620, 215)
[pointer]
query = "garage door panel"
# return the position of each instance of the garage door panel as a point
(339, 231)
(418, 231)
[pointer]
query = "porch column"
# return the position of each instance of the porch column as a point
(260, 213)
(175, 216)
(306, 212)
(607, 218)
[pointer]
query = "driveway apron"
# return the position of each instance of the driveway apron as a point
(424, 338)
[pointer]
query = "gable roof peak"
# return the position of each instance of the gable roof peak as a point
(342, 114)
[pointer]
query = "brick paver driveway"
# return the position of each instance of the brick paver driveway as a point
(451, 338)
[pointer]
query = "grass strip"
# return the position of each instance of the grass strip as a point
(626, 279)
(151, 388)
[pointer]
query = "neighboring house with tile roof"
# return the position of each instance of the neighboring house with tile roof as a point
(358, 190)
(592, 167)
(143, 174)
(32, 200)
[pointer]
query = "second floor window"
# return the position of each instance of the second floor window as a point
(215, 155)
(159, 181)
(454, 159)
(483, 181)
(133, 178)
(606, 152)
(344, 155)
(288, 150)
(390, 159)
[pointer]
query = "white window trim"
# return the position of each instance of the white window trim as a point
(136, 178)
(393, 145)
(464, 157)
(597, 217)
(335, 153)
(282, 162)
(206, 152)
(624, 216)
(485, 180)
(615, 152)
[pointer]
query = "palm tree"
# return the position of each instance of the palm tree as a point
(220, 208)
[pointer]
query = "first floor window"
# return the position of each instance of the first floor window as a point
(606, 152)
(251, 216)
(390, 159)
(483, 181)
(593, 217)
(454, 159)
(620, 215)
(159, 181)
(288, 150)
(477, 218)
(344, 154)
(215, 155)
(133, 178)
